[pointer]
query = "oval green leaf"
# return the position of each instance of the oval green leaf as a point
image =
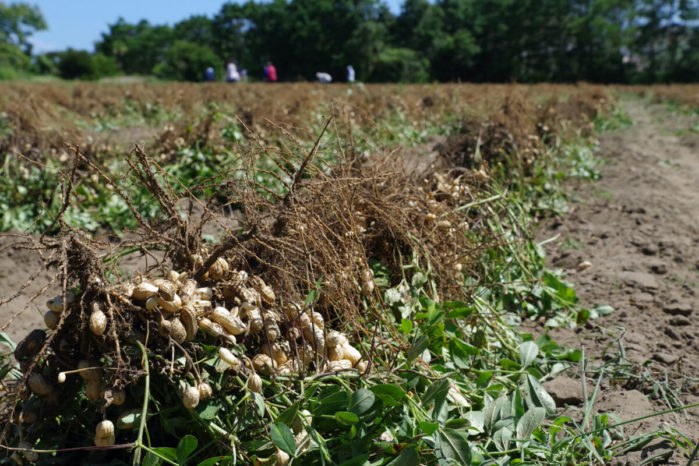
(185, 447)
(362, 401)
(346, 418)
(283, 438)
(454, 445)
(529, 422)
(528, 351)
(390, 393)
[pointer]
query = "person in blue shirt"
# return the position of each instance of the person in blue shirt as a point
(209, 74)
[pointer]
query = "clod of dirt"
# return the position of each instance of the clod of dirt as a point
(641, 280)
(676, 308)
(565, 391)
(680, 321)
(666, 358)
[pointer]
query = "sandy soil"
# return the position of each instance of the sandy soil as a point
(20, 267)
(639, 228)
(23, 278)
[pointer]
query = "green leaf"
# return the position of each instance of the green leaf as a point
(479, 338)
(389, 393)
(208, 410)
(437, 394)
(476, 422)
(529, 422)
(603, 309)
(360, 460)
(167, 452)
(417, 348)
(406, 326)
(216, 460)
(283, 438)
(483, 378)
(346, 418)
(528, 351)
(310, 298)
(494, 410)
(435, 316)
(537, 396)
(502, 437)
(460, 353)
(130, 419)
(332, 401)
(151, 460)
(260, 403)
(185, 447)
(289, 414)
(457, 310)
(454, 445)
(362, 401)
(428, 428)
(5, 338)
(408, 457)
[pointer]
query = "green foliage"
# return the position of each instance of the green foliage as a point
(137, 48)
(187, 61)
(13, 61)
(18, 21)
(447, 40)
(79, 64)
(12, 56)
(400, 65)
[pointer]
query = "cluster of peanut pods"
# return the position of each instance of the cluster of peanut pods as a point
(228, 306)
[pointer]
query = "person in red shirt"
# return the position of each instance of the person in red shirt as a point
(270, 73)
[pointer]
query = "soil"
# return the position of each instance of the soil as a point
(632, 241)
(22, 269)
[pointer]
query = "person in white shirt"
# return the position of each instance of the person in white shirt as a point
(232, 75)
(350, 74)
(323, 78)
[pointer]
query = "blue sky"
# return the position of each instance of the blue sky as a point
(79, 23)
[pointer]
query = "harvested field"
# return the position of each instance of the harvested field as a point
(241, 264)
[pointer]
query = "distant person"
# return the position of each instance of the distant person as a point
(350, 74)
(244, 75)
(209, 74)
(232, 75)
(324, 78)
(270, 73)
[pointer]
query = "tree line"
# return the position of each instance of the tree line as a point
(607, 41)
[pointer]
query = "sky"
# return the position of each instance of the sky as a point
(79, 23)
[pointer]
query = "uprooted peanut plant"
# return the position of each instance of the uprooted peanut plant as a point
(352, 309)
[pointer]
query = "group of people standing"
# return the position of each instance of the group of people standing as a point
(270, 74)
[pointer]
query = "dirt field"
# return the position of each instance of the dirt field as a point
(639, 228)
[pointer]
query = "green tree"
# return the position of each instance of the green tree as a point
(79, 64)
(18, 21)
(197, 29)
(137, 48)
(400, 65)
(666, 31)
(187, 61)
